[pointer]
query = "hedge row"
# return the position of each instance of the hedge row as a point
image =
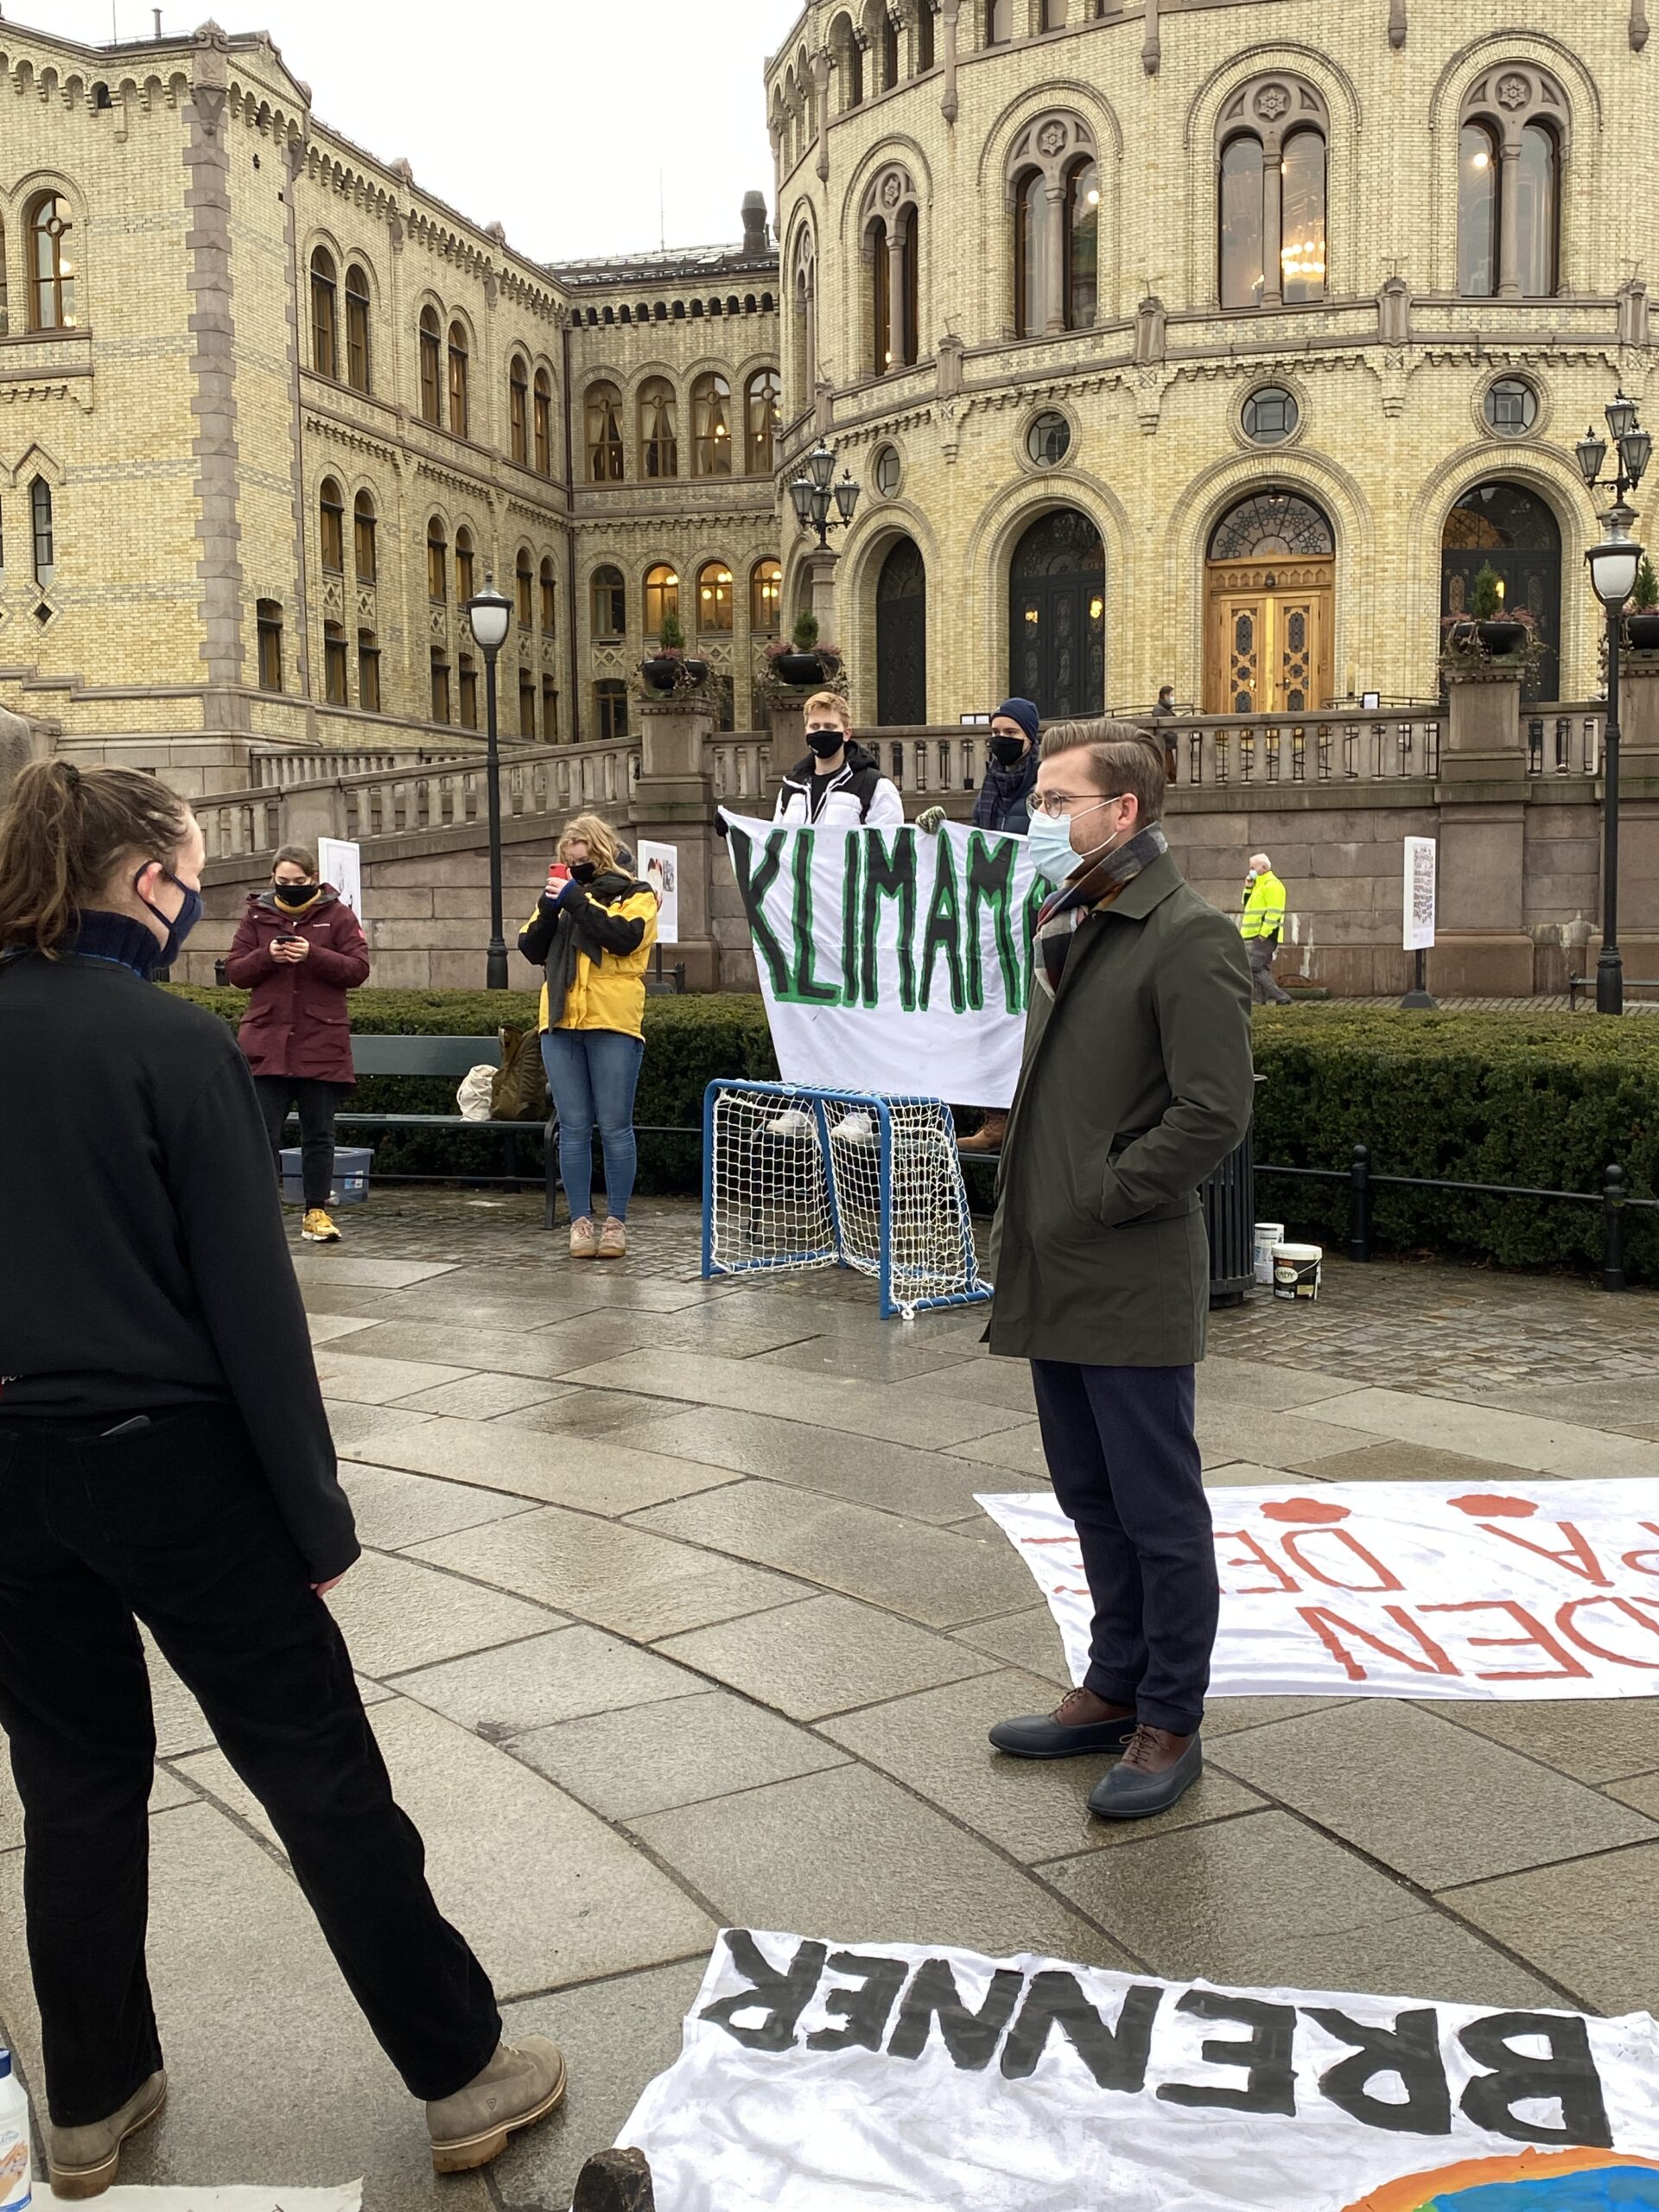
(1545, 1100)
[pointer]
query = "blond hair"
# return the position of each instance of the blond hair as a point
(829, 702)
(1122, 758)
(603, 842)
(62, 836)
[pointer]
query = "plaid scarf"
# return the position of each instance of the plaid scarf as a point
(1098, 886)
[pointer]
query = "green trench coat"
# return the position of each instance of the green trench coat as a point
(1136, 1083)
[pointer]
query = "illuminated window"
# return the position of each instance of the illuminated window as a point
(604, 409)
(52, 303)
(713, 598)
(765, 597)
(711, 425)
(659, 448)
(761, 398)
(662, 597)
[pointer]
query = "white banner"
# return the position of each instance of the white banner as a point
(659, 867)
(241, 2198)
(892, 961)
(887, 2076)
(339, 861)
(1534, 1590)
(1419, 894)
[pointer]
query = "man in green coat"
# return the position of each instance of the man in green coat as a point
(1136, 1084)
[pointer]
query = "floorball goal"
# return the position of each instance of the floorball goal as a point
(794, 1177)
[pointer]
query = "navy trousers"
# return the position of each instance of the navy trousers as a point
(1125, 1466)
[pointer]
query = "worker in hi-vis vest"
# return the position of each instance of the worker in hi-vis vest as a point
(1260, 924)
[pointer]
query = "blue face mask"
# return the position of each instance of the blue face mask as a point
(1049, 843)
(178, 926)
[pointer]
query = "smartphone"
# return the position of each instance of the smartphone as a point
(558, 876)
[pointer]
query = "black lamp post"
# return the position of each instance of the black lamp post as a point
(1613, 561)
(813, 494)
(491, 614)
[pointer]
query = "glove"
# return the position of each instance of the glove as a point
(573, 894)
(930, 820)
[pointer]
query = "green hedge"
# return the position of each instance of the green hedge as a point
(1545, 1100)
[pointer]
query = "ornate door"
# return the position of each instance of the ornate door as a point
(1269, 638)
(1057, 625)
(1509, 528)
(901, 637)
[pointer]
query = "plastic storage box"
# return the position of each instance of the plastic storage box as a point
(350, 1186)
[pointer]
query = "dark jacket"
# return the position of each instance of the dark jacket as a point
(147, 1265)
(1000, 803)
(296, 1023)
(1136, 1083)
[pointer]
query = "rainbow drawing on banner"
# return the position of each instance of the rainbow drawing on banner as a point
(1533, 2181)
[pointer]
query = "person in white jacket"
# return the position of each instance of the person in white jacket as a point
(838, 785)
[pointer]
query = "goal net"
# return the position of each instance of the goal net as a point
(794, 1177)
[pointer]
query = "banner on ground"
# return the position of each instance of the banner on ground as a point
(1538, 1590)
(818, 2078)
(890, 960)
(240, 2198)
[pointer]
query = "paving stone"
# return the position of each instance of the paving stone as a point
(1630, 1402)
(930, 1574)
(1019, 1450)
(527, 1464)
(1486, 1433)
(393, 1509)
(1226, 1433)
(1641, 1791)
(1247, 1474)
(1028, 1639)
(481, 1397)
(1463, 1807)
(822, 1656)
(627, 1579)
(326, 1298)
(247, 1995)
(1427, 1955)
(1232, 1900)
(337, 1269)
(1227, 1716)
(365, 1380)
(935, 1743)
(1592, 1925)
(885, 1410)
(587, 1413)
(396, 1612)
(619, 2035)
(677, 1751)
(1594, 1739)
(889, 1360)
(325, 1328)
(351, 1425)
(898, 1478)
(558, 1676)
(1407, 1463)
(1241, 1383)
(1005, 1382)
(542, 1352)
(874, 1865)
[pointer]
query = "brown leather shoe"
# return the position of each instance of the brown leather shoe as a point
(1157, 1768)
(1080, 1722)
(987, 1137)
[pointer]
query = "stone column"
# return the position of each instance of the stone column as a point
(898, 297)
(1638, 811)
(1054, 256)
(674, 805)
(1482, 945)
(821, 565)
(1508, 223)
(948, 101)
(1273, 219)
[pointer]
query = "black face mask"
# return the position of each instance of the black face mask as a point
(824, 744)
(1008, 752)
(582, 871)
(295, 894)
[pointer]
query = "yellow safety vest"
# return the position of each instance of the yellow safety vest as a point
(1264, 907)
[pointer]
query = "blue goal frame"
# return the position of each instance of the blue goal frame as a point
(818, 1100)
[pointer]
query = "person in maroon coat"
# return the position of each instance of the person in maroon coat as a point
(299, 949)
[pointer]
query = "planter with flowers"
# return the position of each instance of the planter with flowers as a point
(801, 663)
(670, 670)
(1642, 615)
(1491, 641)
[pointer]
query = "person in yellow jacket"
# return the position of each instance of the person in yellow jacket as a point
(593, 930)
(1262, 924)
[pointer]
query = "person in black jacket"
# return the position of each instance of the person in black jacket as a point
(165, 1458)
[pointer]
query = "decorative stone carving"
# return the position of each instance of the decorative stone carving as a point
(1149, 329)
(1271, 102)
(1513, 91)
(1514, 95)
(891, 190)
(1393, 312)
(1052, 136)
(1051, 143)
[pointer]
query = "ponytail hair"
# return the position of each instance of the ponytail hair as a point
(62, 834)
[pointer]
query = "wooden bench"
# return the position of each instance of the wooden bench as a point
(1575, 984)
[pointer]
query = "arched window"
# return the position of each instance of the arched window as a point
(39, 520)
(519, 408)
(550, 595)
(325, 314)
(611, 706)
(766, 598)
(363, 536)
(924, 36)
(890, 67)
(662, 597)
(524, 589)
(1270, 208)
(466, 691)
(458, 379)
(714, 598)
(466, 566)
(543, 404)
(357, 328)
(368, 672)
(1057, 626)
(1511, 144)
(335, 688)
(890, 247)
(711, 425)
(1508, 528)
(760, 404)
(1536, 226)
(437, 560)
(526, 704)
(431, 367)
(332, 532)
(1477, 161)
(51, 265)
(901, 637)
(604, 406)
(1054, 191)
(439, 684)
(1270, 583)
(998, 21)
(1082, 245)
(660, 445)
(610, 603)
(1033, 212)
(268, 618)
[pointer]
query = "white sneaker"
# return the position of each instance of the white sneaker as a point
(790, 1123)
(854, 1128)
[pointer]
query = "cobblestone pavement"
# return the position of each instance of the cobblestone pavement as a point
(676, 1608)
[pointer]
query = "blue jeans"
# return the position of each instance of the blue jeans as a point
(592, 1074)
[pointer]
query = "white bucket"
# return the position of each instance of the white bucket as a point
(1296, 1270)
(1265, 1236)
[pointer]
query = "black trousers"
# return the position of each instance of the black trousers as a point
(176, 1526)
(317, 1102)
(1125, 1466)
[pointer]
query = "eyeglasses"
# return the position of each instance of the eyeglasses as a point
(1059, 805)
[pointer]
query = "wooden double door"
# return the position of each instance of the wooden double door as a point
(1267, 636)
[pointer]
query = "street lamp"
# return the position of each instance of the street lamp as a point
(1613, 561)
(490, 613)
(813, 496)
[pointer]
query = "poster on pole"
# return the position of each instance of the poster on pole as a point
(1419, 893)
(1404, 1589)
(891, 960)
(814, 2077)
(339, 861)
(659, 866)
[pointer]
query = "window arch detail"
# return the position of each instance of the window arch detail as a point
(325, 313)
(602, 404)
(890, 226)
(1514, 133)
(711, 425)
(541, 403)
(1054, 194)
(518, 409)
(458, 379)
(659, 442)
(431, 341)
(1271, 149)
(51, 262)
(358, 363)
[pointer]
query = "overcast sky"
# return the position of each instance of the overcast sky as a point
(552, 117)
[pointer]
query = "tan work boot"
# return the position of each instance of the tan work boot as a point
(82, 2160)
(584, 1239)
(613, 1239)
(521, 2084)
(987, 1137)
